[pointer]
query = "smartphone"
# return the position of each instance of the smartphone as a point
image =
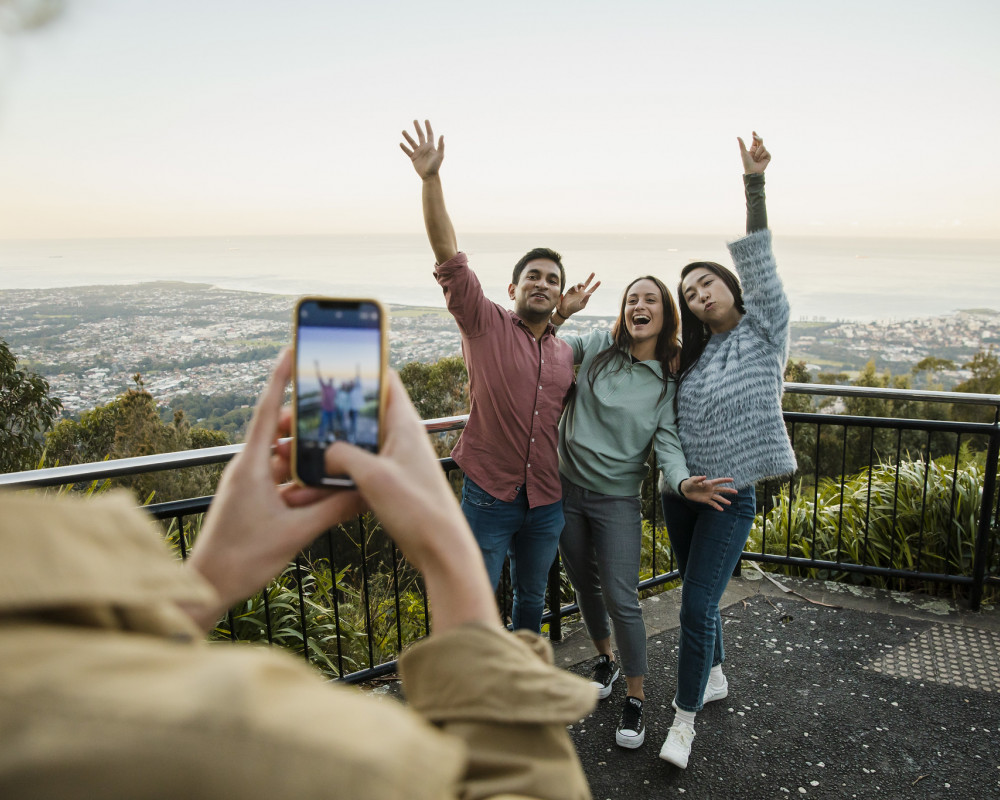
(341, 353)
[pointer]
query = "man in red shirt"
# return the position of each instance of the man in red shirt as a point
(519, 377)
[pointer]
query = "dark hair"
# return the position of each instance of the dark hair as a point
(540, 252)
(621, 344)
(695, 333)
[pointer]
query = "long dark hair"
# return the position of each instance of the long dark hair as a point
(621, 340)
(695, 333)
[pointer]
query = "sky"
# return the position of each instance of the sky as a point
(243, 117)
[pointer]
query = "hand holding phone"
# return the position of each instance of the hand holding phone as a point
(339, 382)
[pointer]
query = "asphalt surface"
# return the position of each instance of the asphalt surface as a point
(873, 695)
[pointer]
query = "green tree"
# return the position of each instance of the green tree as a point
(796, 372)
(438, 390)
(26, 413)
(130, 426)
(985, 368)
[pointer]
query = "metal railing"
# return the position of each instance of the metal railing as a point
(780, 511)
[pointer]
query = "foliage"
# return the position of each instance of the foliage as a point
(130, 426)
(26, 413)
(914, 515)
(985, 368)
(374, 611)
(228, 412)
(796, 372)
(438, 390)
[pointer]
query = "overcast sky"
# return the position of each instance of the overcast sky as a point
(230, 117)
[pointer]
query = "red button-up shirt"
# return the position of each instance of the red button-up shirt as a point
(518, 388)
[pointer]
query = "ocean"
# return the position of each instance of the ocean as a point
(831, 278)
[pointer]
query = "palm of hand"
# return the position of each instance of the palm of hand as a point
(426, 160)
(576, 299)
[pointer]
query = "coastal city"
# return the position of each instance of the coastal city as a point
(186, 338)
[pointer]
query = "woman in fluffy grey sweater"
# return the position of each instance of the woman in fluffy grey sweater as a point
(735, 344)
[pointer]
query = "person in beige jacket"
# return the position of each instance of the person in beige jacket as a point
(108, 688)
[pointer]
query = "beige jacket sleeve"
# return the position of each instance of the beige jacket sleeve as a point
(106, 690)
(500, 694)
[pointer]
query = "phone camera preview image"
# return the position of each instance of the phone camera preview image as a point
(338, 373)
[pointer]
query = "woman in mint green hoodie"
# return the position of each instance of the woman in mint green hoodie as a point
(623, 409)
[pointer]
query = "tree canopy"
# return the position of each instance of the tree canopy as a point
(26, 413)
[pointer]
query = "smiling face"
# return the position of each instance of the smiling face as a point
(710, 299)
(643, 311)
(537, 290)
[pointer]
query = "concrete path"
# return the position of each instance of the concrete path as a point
(872, 695)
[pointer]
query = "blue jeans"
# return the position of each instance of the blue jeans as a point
(601, 546)
(708, 544)
(529, 535)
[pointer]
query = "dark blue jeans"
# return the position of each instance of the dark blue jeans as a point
(708, 544)
(529, 535)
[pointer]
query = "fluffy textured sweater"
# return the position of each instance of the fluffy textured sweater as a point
(729, 402)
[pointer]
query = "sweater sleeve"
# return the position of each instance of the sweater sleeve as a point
(763, 293)
(577, 344)
(753, 188)
(667, 443)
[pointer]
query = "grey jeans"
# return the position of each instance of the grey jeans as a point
(600, 547)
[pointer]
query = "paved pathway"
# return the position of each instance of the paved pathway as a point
(874, 695)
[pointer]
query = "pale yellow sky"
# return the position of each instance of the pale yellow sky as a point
(245, 117)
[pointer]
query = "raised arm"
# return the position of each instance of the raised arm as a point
(755, 161)
(426, 160)
(763, 294)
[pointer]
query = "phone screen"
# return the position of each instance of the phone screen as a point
(338, 381)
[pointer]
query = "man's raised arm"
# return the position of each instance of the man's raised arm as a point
(426, 160)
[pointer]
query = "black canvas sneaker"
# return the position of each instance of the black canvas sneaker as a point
(631, 731)
(604, 675)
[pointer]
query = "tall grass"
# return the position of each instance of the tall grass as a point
(919, 515)
(356, 616)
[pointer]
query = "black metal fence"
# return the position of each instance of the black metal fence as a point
(906, 502)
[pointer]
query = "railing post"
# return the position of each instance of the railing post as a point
(555, 601)
(985, 512)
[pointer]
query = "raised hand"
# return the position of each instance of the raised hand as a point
(756, 159)
(576, 297)
(706, 490)
(425, 157)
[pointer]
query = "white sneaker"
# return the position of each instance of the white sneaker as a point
(677, 747)
(713, 692)
(716, 691)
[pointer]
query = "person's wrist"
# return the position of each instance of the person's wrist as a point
(557, 313)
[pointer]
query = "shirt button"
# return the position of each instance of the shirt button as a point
(536, 413)
(529, 466)
(539, 388)
(532, 440)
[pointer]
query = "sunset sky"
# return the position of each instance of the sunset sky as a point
(245, 117)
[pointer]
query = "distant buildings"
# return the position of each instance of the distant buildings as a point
(192, 338)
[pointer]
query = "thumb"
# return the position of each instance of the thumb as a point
(342, 458)
(743, 147)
